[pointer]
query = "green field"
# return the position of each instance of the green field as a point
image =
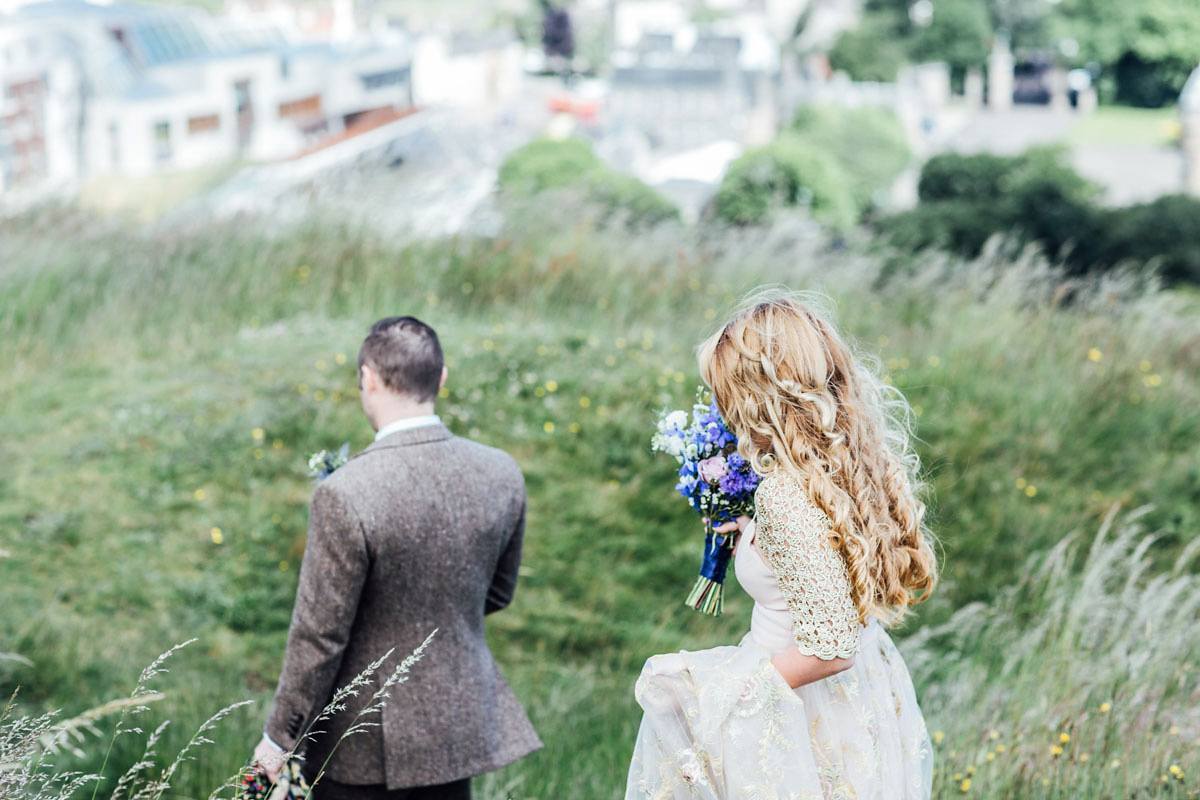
(161, 391)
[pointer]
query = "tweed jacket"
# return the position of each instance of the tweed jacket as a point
(420, 531)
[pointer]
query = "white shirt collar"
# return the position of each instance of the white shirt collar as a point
(408, 423)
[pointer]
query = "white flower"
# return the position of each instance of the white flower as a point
(676, 420)
(712, 469)
(692, 451)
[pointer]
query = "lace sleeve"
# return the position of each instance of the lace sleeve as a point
(791, 533)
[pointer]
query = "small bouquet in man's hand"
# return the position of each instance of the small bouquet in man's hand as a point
(322, 463)
(716, 481)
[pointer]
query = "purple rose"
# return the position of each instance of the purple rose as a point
(713, 469)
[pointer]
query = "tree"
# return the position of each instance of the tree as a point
(1148, 47)
(959, 33)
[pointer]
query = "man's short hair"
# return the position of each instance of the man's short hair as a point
(406, 354)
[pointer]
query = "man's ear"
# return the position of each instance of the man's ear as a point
(442, 382)
(368, 380)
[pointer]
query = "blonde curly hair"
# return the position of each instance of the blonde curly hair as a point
(798, 398)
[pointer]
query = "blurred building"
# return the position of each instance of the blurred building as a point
(98, 88)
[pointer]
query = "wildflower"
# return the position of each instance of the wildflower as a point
(1173, 730)
(1176, 770)
(994, 735)
(1116, 762)
(548, 427)
(318, 395)
(551, 386)
(938, 736)
(216, 535)
(1022, 483)
(1094, 354)
(539, 391)
(277, 444)
(1056, 751)
(958, 777)
(1064, 737)
(258, 453)
(1104, 708)
(970, 769)
(1083, 757)
(1045, 781)
(585, 402)
(302, 273)
(574, 427)
(1152, 380)
(1145, 366)
(678, 376)
(965, 785)
(257, 434)
(1000, 748)
(302, 388)
(199, 494)
(339, 359)
(991, 756)
(1031, 491)
(934, 361)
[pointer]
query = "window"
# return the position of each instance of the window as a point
(162, 141)
(204, 124)
(379, 80)
(304, 107)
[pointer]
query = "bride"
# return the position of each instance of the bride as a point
(816, 701)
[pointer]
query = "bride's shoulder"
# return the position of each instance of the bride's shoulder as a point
(784, 492)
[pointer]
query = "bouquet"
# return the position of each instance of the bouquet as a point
(716, 481)
(322, 463)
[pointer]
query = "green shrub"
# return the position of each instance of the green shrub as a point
(869, 145)
(966, 199)
(970, 178)
(552, 164)
(1165, 231)
(790, 171)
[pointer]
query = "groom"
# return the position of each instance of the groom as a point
(420, 531)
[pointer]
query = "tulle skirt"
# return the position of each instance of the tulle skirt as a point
(722, 724)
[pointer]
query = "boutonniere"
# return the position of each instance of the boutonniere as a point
(322, 463)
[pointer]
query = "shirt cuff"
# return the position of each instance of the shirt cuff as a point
(271, 742)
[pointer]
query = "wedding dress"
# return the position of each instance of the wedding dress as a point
(722, 724)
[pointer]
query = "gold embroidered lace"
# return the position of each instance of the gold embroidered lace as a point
(792, 533)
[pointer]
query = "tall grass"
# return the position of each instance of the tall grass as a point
(161, 390)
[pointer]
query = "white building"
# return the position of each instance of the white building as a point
(89, 88)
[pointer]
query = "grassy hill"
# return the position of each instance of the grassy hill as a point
(162, 390)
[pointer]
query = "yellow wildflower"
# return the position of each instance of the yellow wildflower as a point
(970, 769)
(551, 386)
(340, 358)
(585, 402)
(1116, 762)
(1064, 737)
(548, 427)
(199, 494)
(1083, 757)
(1094, 354)
(938, 736)
(258, 434)
(965, 785)
(1000, 748)
(1056, 751)
(216, 535)
(1031, 491)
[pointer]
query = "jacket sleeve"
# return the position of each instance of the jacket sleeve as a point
(504, 580)
(793, 535)
(332, 574)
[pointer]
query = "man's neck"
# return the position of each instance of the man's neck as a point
(399, 412)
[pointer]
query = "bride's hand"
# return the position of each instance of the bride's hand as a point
(739, 525)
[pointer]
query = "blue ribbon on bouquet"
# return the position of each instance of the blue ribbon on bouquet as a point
(708, 595)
